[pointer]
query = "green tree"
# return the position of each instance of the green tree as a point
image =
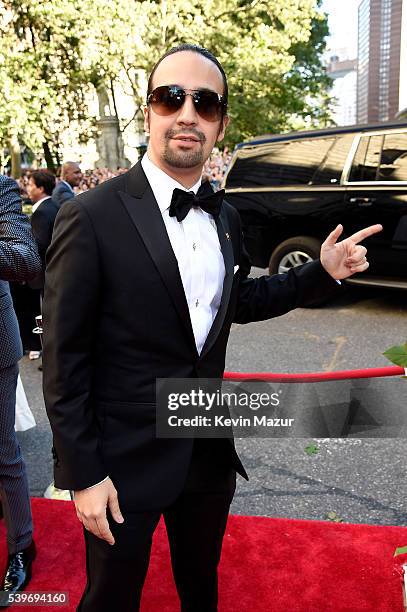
(42, 85)
(55, 53)
(271, 52)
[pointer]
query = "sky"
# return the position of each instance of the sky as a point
(343, 22)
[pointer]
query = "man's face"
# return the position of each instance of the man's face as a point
(35, 193)
(166, 148)
(72, 174)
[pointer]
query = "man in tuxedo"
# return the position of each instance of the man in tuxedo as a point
(71, 176)
(19, 261)
(40, 187)
(143, 282)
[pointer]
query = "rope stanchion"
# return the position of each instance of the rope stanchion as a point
(307, 377)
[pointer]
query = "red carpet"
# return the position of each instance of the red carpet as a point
(268, 565)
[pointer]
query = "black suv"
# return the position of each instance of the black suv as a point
(291, 190)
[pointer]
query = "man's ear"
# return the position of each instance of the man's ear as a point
(222, 129)
(146, 112)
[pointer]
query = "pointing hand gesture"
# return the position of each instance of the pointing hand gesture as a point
(342, 259)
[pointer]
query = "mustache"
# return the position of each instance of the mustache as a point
(170, 133)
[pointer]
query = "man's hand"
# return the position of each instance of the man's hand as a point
(91, 506)
(345, 258)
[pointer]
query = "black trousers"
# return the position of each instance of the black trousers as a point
(195, 524)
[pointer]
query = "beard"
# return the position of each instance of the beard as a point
(187, 158)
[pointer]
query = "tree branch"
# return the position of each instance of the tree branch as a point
(242, 9)
(132, 119)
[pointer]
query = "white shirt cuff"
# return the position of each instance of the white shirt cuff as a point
(98, 483)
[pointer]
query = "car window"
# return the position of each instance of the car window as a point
(279, 163)
(393, 160)
(330, 171)
(366, 160)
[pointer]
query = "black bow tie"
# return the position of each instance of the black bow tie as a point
(182, 201)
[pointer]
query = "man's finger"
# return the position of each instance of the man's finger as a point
(93, 527)
(104, 530)
(114, 508)
(333, 236)
(358, 255)
(366, 232)
(361, 268)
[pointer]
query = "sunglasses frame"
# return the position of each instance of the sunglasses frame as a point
(178, 90)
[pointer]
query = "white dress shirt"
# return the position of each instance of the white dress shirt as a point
(196, 247)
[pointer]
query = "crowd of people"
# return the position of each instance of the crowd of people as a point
(89, 179)
(214, 171)
(216, 166)
(92, 178)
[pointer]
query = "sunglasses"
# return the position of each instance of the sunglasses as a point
(168, 99)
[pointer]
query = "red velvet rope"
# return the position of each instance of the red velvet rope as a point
(317, 376)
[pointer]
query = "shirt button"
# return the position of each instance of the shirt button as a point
(197, 303)
(194, 245)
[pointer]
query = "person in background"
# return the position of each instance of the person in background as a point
(71, 176)
(27, 296)
(40, 187)
(19, 261)
(27, 305)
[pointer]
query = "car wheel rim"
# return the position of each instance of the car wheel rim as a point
(292, 260)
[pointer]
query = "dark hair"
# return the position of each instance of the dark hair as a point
(194, 49)
(44, 178)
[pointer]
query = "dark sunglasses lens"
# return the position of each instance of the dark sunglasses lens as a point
(167, 100)
(207, 105)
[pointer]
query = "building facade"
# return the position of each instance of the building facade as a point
(342, 69)
(380, 49)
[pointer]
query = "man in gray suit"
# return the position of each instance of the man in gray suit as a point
(71, 176)
(19, 261)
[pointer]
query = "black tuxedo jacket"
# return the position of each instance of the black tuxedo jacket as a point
(42, 224)
(115, 318)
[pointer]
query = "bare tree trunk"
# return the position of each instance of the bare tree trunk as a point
(49, 160)
(15, 154)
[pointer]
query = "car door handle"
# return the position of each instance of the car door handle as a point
(362, 201)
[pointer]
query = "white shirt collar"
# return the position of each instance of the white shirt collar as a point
(162, 184)
(35, 206)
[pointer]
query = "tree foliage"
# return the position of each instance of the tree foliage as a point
(271, 52)
(42, 84)
(55, 52)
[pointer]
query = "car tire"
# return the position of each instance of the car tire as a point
(293, 252)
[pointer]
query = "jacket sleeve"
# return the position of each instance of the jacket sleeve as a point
(70, 306)
(271, 296)
(19, 258)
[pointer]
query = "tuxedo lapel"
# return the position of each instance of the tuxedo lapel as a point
(225, 241)
(143, 209)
